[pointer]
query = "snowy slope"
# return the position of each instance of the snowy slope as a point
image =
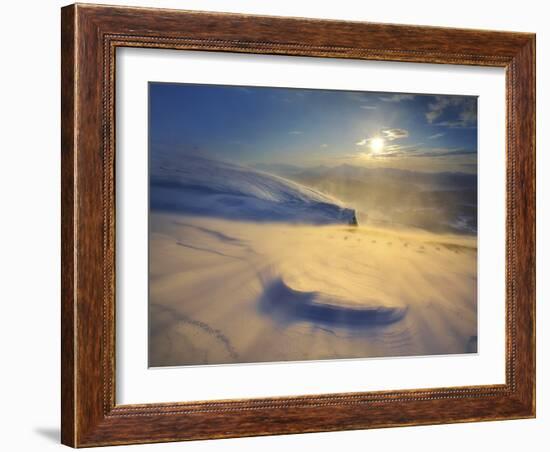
(226, 291)
(208, 187)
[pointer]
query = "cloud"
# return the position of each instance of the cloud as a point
(387, 135)
(295, 132)
(389, 151)
(394, 134)
(463, 108)
(458, 124)
(324, 145)
(358, 96)
(446, 153)
(397, 97)
(380, 155)
(413, 151)
(440, 104)
(397, 147)
(469, 114)
(436, 135)
(368, 107)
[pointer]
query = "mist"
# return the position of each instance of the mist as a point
(442, 202)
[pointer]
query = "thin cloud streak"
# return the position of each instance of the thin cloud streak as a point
(397, 97)
(394, 134)
(394, 151)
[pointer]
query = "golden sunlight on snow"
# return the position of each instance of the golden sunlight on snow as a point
(228, 291)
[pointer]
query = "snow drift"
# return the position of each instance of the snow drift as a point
(289, 305)
(226, 291)
(207, 187)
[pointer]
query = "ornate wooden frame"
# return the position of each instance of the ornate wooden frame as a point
(90, 35)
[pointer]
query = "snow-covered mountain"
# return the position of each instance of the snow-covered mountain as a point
(204, 186)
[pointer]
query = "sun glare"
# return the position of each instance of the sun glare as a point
(377, 145)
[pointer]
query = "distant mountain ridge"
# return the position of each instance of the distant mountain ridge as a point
(438, 201)
(446, 179)
(443, 178)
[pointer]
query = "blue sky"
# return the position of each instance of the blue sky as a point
(316, 127)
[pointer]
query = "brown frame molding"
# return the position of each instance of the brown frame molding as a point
(90, 35)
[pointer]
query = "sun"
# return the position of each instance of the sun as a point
(377, 145)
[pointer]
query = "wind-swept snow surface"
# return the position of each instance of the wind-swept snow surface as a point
(223, 291)
(249, 267)
(208, 187)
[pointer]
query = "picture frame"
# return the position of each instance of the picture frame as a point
(90, 36)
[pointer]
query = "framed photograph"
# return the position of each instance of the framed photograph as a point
(281, 225)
